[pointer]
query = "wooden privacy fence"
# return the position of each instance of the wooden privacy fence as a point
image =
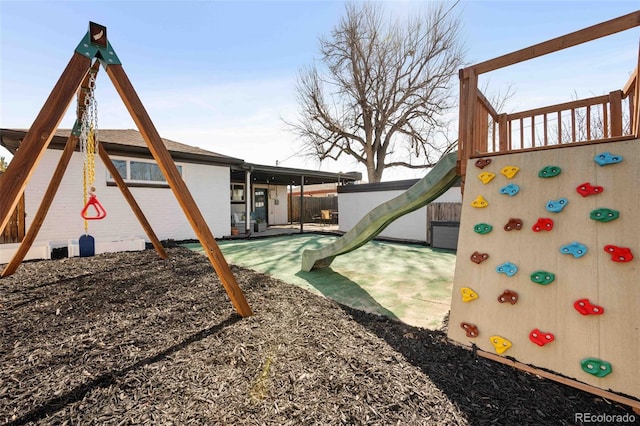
(312, 207)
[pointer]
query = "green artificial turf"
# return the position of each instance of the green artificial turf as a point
(408, 282)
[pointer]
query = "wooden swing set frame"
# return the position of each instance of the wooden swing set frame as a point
(75, 76)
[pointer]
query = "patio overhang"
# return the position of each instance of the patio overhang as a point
(275, 175)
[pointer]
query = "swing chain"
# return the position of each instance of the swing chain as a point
(89, 139)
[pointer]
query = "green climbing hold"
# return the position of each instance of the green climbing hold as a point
(595, 366)
(482, 228)
(549, 171)
(604, 215)
(543, 277)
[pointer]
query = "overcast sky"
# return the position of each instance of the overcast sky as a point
(221, 75)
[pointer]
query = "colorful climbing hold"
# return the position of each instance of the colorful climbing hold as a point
(606, 158)
(576, 249)
(479, 202)
(619, 254)
(549, 171)
(586, 189)
(468, 294)
(543, 277)
(507, 268)
(604, 215)
(509, 296)
(543, 224)
(510, 190)
(470, 329)
(482, 228)
(585, 307)
(483, 162)
(509, 171)
(478, 257)
(556, 206)
(596, 367)
(541, 338)
(500, 343)
(513, 224)
(486, 177)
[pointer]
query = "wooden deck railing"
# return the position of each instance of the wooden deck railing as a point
(484, 130)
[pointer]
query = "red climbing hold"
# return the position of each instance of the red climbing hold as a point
(619, 254)
(478, 257)
(513, 224)
(541, 338)
(587, 308)
(508, 296)
(470, 329)
(587, 189)
(483, 162)
(543, 224)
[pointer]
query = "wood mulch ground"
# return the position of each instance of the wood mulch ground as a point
(128, 338)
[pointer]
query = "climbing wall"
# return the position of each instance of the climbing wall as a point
(548, 263)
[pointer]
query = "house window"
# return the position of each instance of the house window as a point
(237, 192)
(145, 171)
(121, 165)
(136, 171)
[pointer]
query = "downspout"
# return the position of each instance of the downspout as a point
(290, 204)
(301, 204)
(247, 201)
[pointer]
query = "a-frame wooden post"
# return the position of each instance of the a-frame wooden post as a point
(54, 184)
(179, 188)
(15, 179)
(37, 139)
(40, 215)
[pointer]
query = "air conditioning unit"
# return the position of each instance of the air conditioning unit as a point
(444, 234)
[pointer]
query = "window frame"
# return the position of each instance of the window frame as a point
(139, 182)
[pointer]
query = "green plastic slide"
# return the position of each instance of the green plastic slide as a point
(427, 189)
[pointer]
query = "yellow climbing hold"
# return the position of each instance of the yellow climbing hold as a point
(509, 171)
(479, 202)
(468, 295)
(500, 343)
(486, 177)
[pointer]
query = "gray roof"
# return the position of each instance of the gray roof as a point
(126, 142)
(130, 143)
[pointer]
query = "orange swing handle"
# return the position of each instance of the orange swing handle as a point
(100, 212)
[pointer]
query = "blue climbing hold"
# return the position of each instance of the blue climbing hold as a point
(510, 190)
(507, 268)
(556, 206)
(606, 158)
(576, 249)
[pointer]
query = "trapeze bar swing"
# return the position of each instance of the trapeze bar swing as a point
(88, 138)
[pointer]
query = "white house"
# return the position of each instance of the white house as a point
(217, 182)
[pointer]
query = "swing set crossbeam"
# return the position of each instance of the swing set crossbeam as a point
(37, 139)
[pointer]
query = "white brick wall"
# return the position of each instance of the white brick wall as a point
(209, 186)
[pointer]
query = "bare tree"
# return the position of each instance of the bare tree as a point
(384, 95)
